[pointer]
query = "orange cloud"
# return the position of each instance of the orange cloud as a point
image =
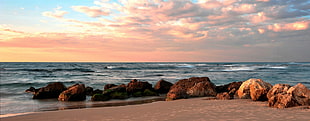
(260, 17)
(299, 25)
(261, 31)
(91, 11)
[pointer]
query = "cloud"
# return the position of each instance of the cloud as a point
(299, 25)
(91, 11)
(57, 13)
(129, 30)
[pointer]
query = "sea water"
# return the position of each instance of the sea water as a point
(17, 77)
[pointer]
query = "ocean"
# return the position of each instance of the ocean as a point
(17, 77)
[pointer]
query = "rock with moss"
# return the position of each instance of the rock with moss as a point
(137, 86)
(148, 92)
(100, 97)
(119, 95)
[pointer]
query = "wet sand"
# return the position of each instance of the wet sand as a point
(185, 109)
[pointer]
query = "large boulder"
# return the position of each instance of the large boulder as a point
(259, 90)
(52, 90)
(192, 87)
(278, 89)
(284, 96)
(162, 86)
(74, 93)
(255, 89)
(137, 86)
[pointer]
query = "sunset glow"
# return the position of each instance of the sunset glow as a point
(154, 30)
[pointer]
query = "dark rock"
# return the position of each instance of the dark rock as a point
(108, 86)
(50, 91)
(162, 86)
(119, 95)
(148, 92)
(31, 90)
(284, 96)
(97, 91)
(73, 93)
(118, 88)
(195, 86)
(116, 92)
(228, 87)
(89, 91)
(100, 97)
(223, 96)
(137, 86)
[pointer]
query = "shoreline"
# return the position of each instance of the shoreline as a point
(93, 104)
(184, 109)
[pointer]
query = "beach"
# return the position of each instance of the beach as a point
(184, 109)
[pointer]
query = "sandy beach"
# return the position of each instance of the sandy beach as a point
(184, 109)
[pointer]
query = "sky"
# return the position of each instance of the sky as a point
(154, 31)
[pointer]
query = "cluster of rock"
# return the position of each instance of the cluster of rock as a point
(278, 96)
(78, 92)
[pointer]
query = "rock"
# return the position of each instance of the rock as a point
(52, 90)
(108, 86)
(259, 89)
(118, 88)
(31, 90)
(186, 88)
(100, 97)
(74, 93)
(284, 96)
(148, 92)
(89, 91)
(202, 89)
(231, 88)
(116, 92)
(137, 86)
(278, 89)
(223, 96)
(162, 86)
(97, 91)
(300, 93)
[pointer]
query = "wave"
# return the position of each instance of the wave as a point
(228, 68)
(55, 70)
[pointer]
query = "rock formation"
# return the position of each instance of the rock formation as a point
(162, 86)
(52, 90)
(73, 93)
(192, 87)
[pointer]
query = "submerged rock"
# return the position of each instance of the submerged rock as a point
(162, 86)
(284, 96)
(74, 93)
(52, 90)
(192, 87)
